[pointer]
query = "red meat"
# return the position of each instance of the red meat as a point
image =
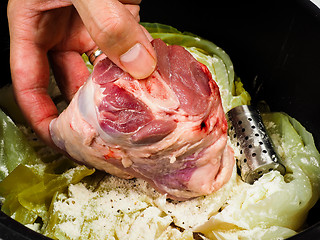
(169, 129)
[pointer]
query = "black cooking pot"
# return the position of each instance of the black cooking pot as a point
(275, 48)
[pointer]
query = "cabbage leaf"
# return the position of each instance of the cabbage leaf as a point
(14, 147)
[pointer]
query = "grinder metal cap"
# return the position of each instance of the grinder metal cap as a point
(257, 155)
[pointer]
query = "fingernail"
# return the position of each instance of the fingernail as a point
(138, 62)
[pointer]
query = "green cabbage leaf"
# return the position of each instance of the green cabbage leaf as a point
(14, 147)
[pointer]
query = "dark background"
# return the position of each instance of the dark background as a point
(275, 48)
(4, 43)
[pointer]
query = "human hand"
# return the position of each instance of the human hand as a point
(62, 30)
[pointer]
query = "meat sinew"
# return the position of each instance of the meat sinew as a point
(169, 129)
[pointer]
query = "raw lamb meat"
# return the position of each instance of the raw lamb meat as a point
(169, 129)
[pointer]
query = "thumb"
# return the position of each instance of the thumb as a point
(117, 33)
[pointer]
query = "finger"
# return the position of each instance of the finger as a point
(30, 78)
(118, 35)
(29, 71)
(134, 10)
(69, 70)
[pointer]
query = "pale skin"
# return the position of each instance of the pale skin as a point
(59, 32)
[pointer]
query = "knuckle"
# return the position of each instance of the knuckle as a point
(134, 10)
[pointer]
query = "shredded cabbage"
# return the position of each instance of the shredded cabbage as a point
(67, 201)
